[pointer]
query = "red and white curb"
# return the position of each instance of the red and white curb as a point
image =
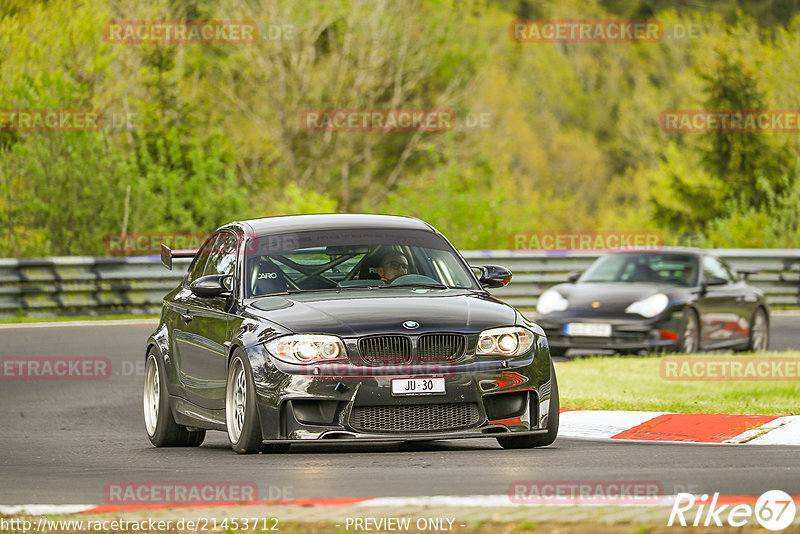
(596, 424)
(367, 505)
(668, 426)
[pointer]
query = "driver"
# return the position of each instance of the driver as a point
(688, 274)
(393, 265)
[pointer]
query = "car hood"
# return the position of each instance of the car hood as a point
(355, 312)
(609, 297)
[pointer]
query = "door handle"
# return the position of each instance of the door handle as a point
(187, 317)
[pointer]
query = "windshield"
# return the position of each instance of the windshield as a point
(336, 259)
(677, 269)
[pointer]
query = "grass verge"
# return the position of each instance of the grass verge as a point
(636, 383)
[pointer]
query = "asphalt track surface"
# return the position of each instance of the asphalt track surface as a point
(63, 441)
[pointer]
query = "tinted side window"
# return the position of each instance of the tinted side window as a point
(732, 274)
(223, 255)
(712, 267)
(200, 260)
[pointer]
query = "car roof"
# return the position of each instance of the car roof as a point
(663, 250)
(327, 221)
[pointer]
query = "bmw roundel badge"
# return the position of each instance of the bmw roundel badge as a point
(411, 325)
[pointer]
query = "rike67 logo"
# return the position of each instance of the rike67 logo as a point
(774, 510)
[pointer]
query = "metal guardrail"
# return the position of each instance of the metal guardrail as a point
(135, 285)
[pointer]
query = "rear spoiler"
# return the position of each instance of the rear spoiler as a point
(167, 254)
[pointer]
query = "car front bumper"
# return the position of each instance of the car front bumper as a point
(659, 333)
(483, 402)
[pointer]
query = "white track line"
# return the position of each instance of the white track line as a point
(44, 509)
(786, 433)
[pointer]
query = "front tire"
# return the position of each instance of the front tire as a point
(539, 440)
(759, 331)
(690, 338)
(241, 415)
(161, 428)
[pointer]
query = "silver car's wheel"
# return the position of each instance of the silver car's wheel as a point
(759, 331)
(236, 400)
(241, 414)
(690, 340)
(152, 395)
(162, 430)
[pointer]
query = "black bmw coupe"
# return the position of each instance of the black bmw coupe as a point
(347, 327)
(671, 299)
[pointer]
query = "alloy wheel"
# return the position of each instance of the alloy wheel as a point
(758, 332)
(152, 395)
(236, 400)
(691, 334)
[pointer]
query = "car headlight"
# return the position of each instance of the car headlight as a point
(649, 307)
(510, 341)
(551, 301)
(307, 348)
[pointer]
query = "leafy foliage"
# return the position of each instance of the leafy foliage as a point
(571, 140)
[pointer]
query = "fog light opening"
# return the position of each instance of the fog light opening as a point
(666, 334)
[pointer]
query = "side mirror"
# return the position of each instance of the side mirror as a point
(715, 281)
(494, 276)
(212, 285)
(573, 276)
(745, 273)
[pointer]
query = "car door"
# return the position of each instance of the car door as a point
(744, 300)
(178, 312)
(720, 323)
(204, 343)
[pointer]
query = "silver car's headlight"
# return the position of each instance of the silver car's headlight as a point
(551, 301)
(649, 307)
(307, 348)
(507, 341)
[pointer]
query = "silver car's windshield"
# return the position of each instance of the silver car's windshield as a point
(677, 269)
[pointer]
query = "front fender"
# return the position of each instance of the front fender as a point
(160, 341)
(257, 331)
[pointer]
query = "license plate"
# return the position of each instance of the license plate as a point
(418, 386)
(588, 329)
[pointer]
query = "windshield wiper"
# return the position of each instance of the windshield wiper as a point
(426, 286)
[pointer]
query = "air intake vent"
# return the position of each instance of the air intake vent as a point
(415, 418)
